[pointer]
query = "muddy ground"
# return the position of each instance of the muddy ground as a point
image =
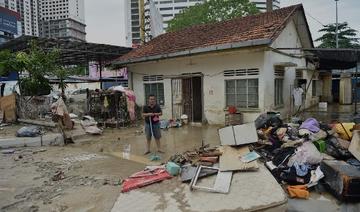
(87, 175)
(78, 177)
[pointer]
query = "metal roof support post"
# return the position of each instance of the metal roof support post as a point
(101, 69)
(356, 88)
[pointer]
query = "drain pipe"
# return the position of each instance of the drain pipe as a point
(269, 5)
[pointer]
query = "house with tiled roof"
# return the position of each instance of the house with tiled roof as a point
(250, 63)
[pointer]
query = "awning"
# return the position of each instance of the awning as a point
(330, 58)
(335, 58)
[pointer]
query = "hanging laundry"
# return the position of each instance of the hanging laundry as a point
(106, 102)
(131, 99)
(297, 94)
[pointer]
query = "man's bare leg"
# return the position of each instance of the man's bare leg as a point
(158, 145)
(147, 150)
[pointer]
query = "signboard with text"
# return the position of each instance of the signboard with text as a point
(8, 21)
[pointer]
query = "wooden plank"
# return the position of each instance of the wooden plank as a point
(354, 147)
(230, 159)
(8, 106)
(36, 122)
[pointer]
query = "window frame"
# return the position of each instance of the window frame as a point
(158, 80)
(279, 75)
(279, 99)
(314, 84)
(236, 79)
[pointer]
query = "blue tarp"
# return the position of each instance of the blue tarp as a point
(13, 76)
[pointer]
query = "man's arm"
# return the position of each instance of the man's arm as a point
(144, 114)
(158, 111)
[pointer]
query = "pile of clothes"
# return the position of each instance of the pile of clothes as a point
(293, 152)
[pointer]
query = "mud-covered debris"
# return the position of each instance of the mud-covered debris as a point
(59, 175)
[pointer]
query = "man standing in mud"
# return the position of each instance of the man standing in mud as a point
(151, 114)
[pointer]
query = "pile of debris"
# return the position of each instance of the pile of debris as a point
(222, 161)
(299, 155)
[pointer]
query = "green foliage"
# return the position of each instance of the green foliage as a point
(77, 71)
(37, 64)
(31, 86)
(62, 73)
(212, 11)
(347, 36)
(8, 62)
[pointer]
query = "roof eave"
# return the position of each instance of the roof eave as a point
(201, 50)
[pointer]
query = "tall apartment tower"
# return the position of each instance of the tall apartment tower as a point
(167, 9)
(62, 19)
(9, 4)
(261, 4)
(28, 10)
(146, 21)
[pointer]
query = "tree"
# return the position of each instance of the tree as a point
(62, 73)
(347, 36)
(36, 65)
(212, 11)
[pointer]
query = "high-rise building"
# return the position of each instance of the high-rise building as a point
(62, 19)
(28, 10)
(167, 9)
(153, 21)
(261, 4)
(125, 37)
(9, 4)
(146, 21)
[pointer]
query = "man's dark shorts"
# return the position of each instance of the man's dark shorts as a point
(156, 131)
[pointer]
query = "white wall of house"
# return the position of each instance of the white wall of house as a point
(212, 65)
(289, 39)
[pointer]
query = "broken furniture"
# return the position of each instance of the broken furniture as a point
(222, 182)
(343, 179)
(354, 147)
(238, 134)
(188, 172)
(230, 159)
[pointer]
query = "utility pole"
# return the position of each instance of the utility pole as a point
(337, 25)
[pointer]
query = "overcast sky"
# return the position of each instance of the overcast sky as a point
(104, 17)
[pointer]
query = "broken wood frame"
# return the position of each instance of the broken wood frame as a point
(222, 181)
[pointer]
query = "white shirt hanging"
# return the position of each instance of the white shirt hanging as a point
(297, 93)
